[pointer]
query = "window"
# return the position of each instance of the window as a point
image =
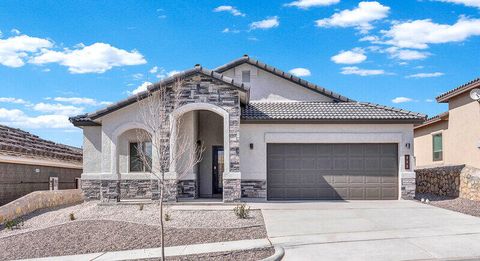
(137, 150)
(245, 76)
(437, 147)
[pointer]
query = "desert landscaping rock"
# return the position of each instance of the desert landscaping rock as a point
(466, 206)
(98, 228)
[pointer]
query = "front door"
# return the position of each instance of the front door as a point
(217, 169)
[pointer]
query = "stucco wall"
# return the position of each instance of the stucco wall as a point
(267, 86)
(462, 145)
(254, 165)
(461, 135)
(424, 143)
(92, 147)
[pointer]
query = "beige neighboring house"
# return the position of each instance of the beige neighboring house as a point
(267, 135)
(453, 137)
(29, 163)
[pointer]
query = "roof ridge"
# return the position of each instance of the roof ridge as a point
(441, 96)
(282, 74)
(380, 106)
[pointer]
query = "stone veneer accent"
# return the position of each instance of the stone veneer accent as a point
(196, 88)
(453, 181)
(408, 186)
(232, 191)
(254, 188)
(187, 188)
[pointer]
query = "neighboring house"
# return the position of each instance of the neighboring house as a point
(453, 137)
(283, 137)
(29, 163)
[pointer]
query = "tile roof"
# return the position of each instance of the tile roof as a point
(16, 142)
(444, 97)
(285, 75)
(434, 119)
(326, 111)
(87, 119)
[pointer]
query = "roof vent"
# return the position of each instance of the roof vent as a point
(245, 55)
(197, 65)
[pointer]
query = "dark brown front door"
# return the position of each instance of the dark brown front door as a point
(217, 169)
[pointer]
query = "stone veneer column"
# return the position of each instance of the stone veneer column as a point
(408, 185)
(232, 191)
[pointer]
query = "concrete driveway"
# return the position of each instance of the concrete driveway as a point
(370, 230)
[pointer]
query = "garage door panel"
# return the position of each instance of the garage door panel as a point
(332, 171)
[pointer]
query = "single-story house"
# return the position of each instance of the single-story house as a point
(452, 137)
(29, 163)
(267, 135)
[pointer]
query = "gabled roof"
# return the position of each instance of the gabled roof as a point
(327, 111)
(88, 119)
(444, 97)
(432, 120)
(284, 75)
(19, 143)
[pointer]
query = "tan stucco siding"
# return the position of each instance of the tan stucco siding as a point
(424, 143)
(461, 135)
(464, 131)
(92, 149)
(267, 86)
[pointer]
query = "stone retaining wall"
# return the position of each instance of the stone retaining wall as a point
(39, 200)
(453, 181)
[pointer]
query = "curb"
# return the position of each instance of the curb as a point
(277, 256)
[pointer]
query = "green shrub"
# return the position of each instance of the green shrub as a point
(242, 211)
(14, 223)
(72, 217)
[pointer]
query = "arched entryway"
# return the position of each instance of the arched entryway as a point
(208, 126)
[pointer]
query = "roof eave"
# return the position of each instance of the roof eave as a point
(445, 97)
(331, 121)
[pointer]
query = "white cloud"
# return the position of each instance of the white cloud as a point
(14, 50)
(471, 3)
(419, 34)
(17, 118)
(405, 54)
(154, 69)
(141, 88)
(268, 23)
(163, 73)
(137, 76)
(228, 30)
(228, 8)
(429, 100)
(12, 100)
(402, 100)
(362, 72)
(15, 31)
(79, 101)
(305, 4)
(360, 17)
(425, 75)
(95, 58)
(58, 109)
(300, 72)
(353, 56)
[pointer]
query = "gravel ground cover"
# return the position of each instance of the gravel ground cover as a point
(112, 228)
(461, 205)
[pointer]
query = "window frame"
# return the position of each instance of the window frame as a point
(249, 76)
(440, 152)
(144, 168)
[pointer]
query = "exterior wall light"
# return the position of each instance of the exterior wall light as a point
(251, 146)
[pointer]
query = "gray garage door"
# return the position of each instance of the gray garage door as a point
(332, 171)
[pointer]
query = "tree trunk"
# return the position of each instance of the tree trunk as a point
(162, 233)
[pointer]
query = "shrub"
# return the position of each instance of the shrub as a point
(242, 211)
(14, 223)
(140, 207)
(72, 217)
(167, 216)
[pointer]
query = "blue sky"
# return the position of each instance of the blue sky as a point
(60, 58)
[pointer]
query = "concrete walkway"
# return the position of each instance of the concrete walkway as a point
(370, 230)
(169, 251)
